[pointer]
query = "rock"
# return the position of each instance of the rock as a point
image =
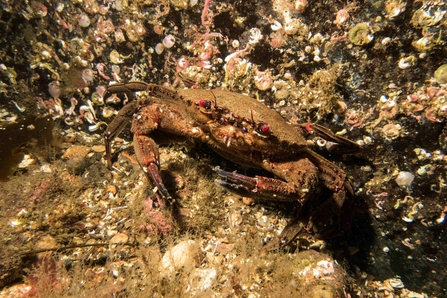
(76, 151)
(99, 148)
(46, 242)
(119, 238)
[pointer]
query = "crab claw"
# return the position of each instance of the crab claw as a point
(147, 155)
(258, 187)
(237, 183)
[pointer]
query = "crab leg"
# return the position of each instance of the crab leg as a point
(288, 234)
(330, 175)
(330, 210)
(127, 87)
(116, 126)
(147, 155)
(153, 90)
(339, 144)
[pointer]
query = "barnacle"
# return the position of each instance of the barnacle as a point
(179, 4)
(255, 36)
(360, 34)
(119, 36)
(404, 179)
(424, 44)
(391, 131)
(263, 80)
(159, 48)
(54, 89)
(281, 89)
(407, 62)
(116, 57)
(97, 99)
(169, 41)
(135, 31)
(237, 68)
(108, 112)
(293, 26)
(88, 75)
(394, 8)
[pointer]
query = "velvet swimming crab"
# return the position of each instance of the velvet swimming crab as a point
(244, 131)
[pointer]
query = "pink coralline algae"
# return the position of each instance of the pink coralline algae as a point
(158, 223)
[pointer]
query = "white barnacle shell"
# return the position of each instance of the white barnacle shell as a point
(407, 62)
(255, 36)
(396, 283)
(169, 41)
(276, 26)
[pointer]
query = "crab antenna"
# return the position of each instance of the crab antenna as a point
(215, 100)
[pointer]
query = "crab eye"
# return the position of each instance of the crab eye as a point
(205, 104)
(263, 128)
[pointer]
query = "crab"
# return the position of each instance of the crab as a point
(246, 132)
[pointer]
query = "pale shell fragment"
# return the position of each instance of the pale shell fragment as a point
(54, 89)
(202, 279)
(26, 162)
(84, 20)
(404, 179)
(179, 256)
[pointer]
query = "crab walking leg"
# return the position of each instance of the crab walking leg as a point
(147, 155)
(116, 126)
(288, 234)
(347, 205)
(330, 175)
(336, 144)
(153, 90)
(126, 88)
